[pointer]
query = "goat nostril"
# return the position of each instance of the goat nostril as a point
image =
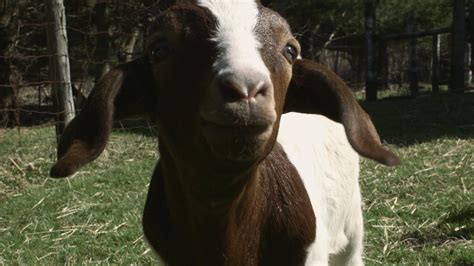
(234, 88)
(231, 91)
(259, 90)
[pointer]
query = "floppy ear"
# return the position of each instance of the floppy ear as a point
(125, 90)
(316, 89)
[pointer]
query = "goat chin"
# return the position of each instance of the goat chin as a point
(237, 143)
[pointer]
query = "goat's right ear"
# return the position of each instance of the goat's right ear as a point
(124, 91)
(316, 89)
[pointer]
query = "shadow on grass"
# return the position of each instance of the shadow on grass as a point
(463, 262)
(457, 226)
(465, 216)
(406, 121)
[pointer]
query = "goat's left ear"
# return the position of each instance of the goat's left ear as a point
(124, 91)
(316, 89)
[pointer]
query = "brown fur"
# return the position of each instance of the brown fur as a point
(269, 222)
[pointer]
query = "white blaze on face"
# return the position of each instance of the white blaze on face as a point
(235, 36)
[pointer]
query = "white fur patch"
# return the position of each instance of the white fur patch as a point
(235, 36)
(329, 168)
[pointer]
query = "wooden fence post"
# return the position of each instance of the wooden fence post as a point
(471, 42)
(469, 65)
(436, 47)
(59, 68)
(458, 47)
(412, 56)
(370, 33)
(382, 63)
(472, 64)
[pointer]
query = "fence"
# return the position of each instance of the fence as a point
(394, 71)
(101, 34)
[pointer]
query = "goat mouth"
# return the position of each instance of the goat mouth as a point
(237, 142)
(238, 128)
(240, 121)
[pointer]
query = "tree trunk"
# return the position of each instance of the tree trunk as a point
(436, 48)
(8, 40)
(469, 31)
(307, 40)
(458, 49)
(469, 65)
(102, 50)
(471, 41)
(412, 56)
(336, 62)
(382, 62)
(128, 46)
(310, 51)
(370, 31)
(59, 68)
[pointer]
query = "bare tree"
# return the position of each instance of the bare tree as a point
(128, 45)
(59, 63)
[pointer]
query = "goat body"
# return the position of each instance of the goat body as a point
(241, 179)
(272, 220)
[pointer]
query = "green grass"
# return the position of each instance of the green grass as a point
(423, 210)
(93, 217)
(418, 213)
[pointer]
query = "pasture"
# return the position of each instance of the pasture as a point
(418, 213)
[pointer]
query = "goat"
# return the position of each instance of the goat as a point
(242, 179)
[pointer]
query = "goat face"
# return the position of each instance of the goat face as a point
(223, 69)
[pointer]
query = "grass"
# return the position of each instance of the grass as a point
(421, 212)
(93, 217)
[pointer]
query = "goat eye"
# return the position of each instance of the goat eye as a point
(160, 51)
(290, 53)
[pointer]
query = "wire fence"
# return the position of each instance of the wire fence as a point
(100, 35)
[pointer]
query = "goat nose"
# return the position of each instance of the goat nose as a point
(236, 88)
